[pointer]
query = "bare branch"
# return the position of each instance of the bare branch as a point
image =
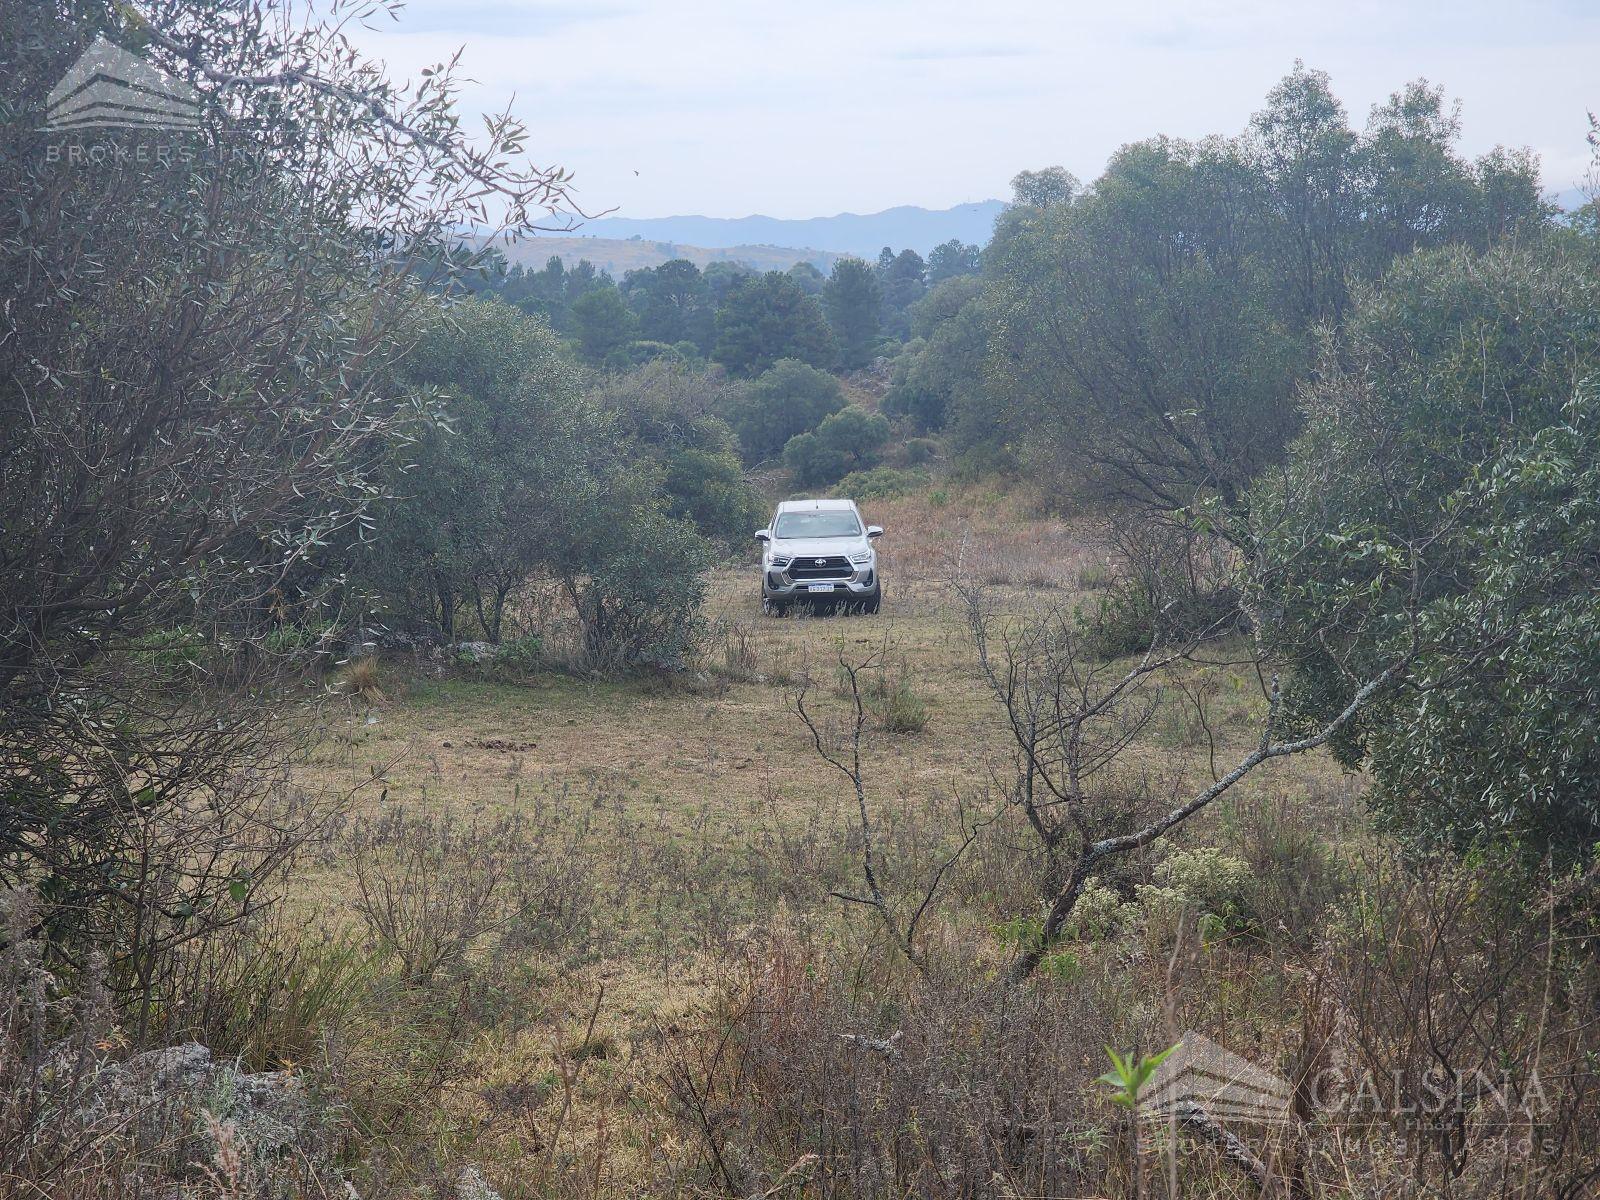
(1267, 749)
(531, 187)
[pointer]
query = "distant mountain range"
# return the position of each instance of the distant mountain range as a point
(861, 234)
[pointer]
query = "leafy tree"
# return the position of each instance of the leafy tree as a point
(670, 413)
(636, 354)
(602, 322)
(904, 281)
(636, 579)
(1306, 153)
(709, 488)
(542, 293)
(721, 278)
(951, 259)
(669, 301)
(810, 279)
(1044, 188)
(1150, 333)
(852, 439)
(1135, 333)
(198, 397)
(769, 317)
(853, 300)
(1442, 489)
(1417, 193)
(468, 524)
(811, 462)
(944, 302)
(789, 399)
(943, 372)
(1508, 201)
(550, 292)
(532, 478)
(1496, 736)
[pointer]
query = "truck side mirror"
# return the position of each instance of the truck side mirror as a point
(874, 531)
(763, 535)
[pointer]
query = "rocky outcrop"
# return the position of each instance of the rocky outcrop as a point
(471, 1185)
(168, 1094)
(476, 652)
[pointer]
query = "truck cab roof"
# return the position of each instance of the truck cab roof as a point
(825, 505)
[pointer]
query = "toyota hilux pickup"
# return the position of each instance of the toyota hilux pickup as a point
(819, 552)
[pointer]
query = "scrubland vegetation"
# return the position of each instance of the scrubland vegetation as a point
(402, 793)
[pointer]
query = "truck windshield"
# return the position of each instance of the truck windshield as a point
(837, 523)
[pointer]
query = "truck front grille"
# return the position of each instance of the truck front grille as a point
(819, 567)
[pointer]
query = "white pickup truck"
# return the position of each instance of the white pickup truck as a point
(819, 551)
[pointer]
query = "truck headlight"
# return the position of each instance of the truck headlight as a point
(779, 561)
(861, 556)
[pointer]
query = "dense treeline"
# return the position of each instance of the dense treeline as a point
(1443, 489)
(236, 447)
(199, 367)
(760, 353)
(1362, 363)
(608, 494)
(728, 314)
(1152, 330)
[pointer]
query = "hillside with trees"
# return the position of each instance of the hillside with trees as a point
(404, 794)
(616, 256)
(860, 234)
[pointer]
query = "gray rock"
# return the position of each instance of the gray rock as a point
(471, 1185)
(476, 652)
(151, 1091)
(166, 1090)
(270, 1109)
(171, 1069)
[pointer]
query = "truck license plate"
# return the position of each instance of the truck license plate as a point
(819, 587)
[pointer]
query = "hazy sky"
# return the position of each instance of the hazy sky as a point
(796, 109)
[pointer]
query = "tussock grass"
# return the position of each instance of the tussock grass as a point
(362, 678)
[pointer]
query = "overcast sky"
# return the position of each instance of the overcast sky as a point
(797, 108)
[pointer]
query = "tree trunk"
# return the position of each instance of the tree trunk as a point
(447, 607)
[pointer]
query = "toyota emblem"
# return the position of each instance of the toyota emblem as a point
(822, 562)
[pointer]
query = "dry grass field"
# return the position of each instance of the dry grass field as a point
(679, 823)
(710, 747)
(551, 935)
